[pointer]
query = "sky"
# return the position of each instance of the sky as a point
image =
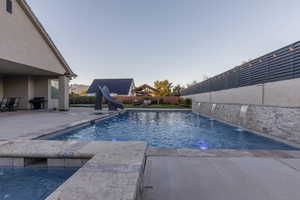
(178, 40)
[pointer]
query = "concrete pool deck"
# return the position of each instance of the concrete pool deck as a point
(221, 175)
(28, 124)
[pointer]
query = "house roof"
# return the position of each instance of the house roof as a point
(117, 86)
(142, 87)
(23, 4)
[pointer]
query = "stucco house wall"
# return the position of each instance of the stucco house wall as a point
(1, 87)
(17, 86)
(22, 43)
(29, 60)
(43, 89)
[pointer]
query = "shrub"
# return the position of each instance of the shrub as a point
(181, 101)
(82, 100)
(146, 98)
(161, 101)
(187, 102)
(154, 101)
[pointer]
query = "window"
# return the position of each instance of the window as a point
(9, 6)
(54, 89)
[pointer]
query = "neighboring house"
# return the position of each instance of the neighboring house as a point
(30, 63)
(145, 90)
(117, 87)
(78, 89)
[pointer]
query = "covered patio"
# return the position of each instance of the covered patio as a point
(26, 82)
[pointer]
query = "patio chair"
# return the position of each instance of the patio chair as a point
(3, 104)
(10, 103)
(14, 104)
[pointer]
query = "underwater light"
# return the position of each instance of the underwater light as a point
(201, 145)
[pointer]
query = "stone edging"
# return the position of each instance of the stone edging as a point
(223, 153)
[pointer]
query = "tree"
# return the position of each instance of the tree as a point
(177, 90)
(82, 92)
(164, 88)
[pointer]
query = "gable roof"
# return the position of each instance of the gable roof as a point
(145, 86)
(117, 86)
(24, 5)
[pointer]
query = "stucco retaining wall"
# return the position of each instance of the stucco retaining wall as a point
(280, 93)
(279, 122)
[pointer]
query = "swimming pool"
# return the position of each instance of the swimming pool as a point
(162, 129)
(31, 183)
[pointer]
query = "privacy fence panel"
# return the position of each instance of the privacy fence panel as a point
(282, 64)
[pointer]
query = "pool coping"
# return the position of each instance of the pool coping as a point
(159, 109)
(222, 153)
(108, 170)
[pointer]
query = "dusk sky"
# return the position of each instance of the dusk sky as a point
(178, 40)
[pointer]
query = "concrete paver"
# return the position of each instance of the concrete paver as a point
(24, 123)
(177, 178)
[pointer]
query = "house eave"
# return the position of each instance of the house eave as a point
(24, 5)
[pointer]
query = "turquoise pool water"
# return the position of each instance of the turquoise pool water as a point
(31, 183)
(173, 130)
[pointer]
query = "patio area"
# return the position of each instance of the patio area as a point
(27, 124)
(221, 175)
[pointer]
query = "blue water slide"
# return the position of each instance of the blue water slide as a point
(112, 104)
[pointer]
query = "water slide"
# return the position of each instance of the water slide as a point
(104, 93)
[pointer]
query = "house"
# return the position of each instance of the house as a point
(30, 64)
(78, 89)
(117, 87)
(145, 90)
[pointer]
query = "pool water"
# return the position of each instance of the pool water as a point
(173, 130)
(31, 183)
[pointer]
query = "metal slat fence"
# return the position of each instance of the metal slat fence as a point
(282, 64)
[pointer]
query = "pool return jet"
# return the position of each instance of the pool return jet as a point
(104, 93)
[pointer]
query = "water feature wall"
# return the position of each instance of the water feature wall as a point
(279, 122)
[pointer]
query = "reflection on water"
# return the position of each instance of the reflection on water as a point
(31, 183)
(173, 130)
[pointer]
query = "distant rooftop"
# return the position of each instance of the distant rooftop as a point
(117, 86)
